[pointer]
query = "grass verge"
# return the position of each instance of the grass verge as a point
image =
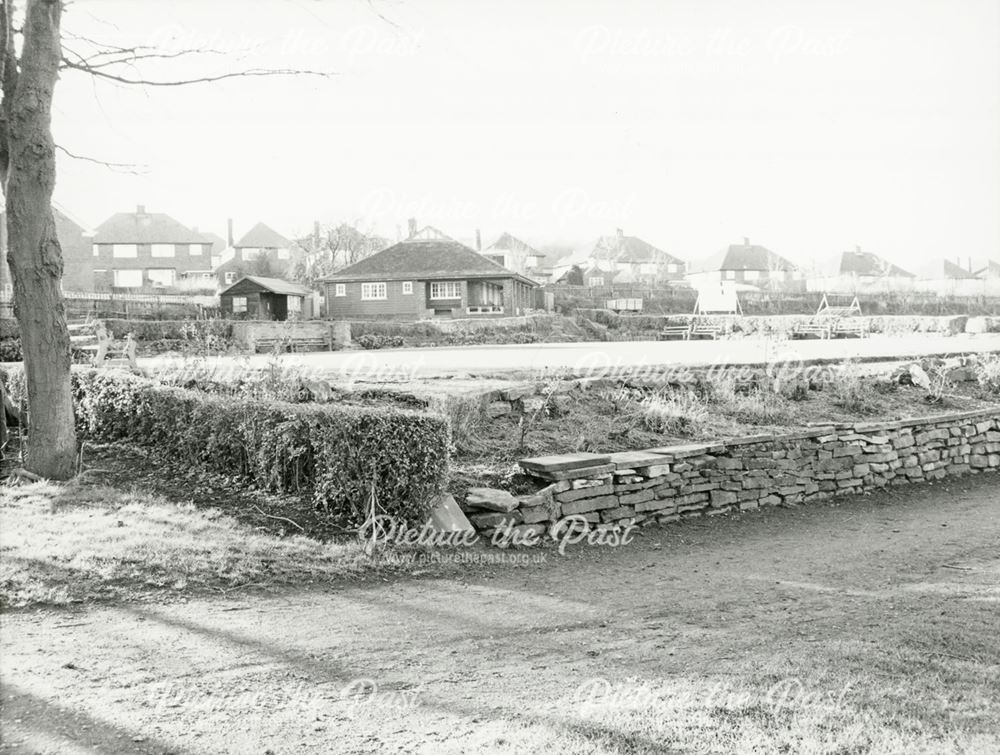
(77, 542)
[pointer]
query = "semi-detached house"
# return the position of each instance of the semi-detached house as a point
(134, 250)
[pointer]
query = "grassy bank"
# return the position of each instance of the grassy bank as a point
(79, 542)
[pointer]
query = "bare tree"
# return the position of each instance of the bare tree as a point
(336, 246)
(28, 172)
(28, 75)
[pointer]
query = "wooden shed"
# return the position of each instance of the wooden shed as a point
(256, 298)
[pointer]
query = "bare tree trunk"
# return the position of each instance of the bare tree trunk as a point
(34, 253)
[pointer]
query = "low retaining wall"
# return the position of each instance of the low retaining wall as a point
(248, 332)
(783, 326)
(704, 479)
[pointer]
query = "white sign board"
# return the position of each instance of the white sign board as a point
(717, 299)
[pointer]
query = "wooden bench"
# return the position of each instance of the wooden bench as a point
(675, 331)
(705, 330)
(93, 336)
(293, 344)
(809, 329)
(850, 327)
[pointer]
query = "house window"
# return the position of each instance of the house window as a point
(372, 291)
(671, 268)
(230, 277)
(446, 290)
(161, 250)
(595, 282)
(163, 276)
(282, 254)
(239, 304)
(97, 250)
(194, 250)
(407, 287)
(729, 275)
(340, 289)
(751, 275)
(128, 278)
(124, 250)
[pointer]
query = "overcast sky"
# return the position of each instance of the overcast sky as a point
(808, 126)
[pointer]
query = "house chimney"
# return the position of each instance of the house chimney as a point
(746, 241)
(621, 233)
(140, 209)
(413, 227)
(970, 264)
(315, 235)
(479, 241)
(229, 231)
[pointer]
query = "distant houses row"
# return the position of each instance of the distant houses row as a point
(141, 250)
(628, 261)
(149, 251)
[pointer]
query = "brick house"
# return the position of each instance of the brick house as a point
(261, 251)
(428, 275)
(595, 277)
(750, 265)
(136, 250)
(510, 252)
(78, 261)
(858, 270)
(640, 260)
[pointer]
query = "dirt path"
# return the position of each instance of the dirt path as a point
(489, 658)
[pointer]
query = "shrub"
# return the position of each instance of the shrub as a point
(855, 392)
(988, 373)
(759, 407)
(10, 350)
(466, 414)
(371, 341)
(337, 452)
(674, 413)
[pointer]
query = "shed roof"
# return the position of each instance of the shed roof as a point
(272, 285)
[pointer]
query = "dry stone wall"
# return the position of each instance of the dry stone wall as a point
(706, 479)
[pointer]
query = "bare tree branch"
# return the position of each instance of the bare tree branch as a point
(120, 167)
(248, 73)
(125, 57)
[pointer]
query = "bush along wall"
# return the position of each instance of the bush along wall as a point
(706, 479)
(338, 453)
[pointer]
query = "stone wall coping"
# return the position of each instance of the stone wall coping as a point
(568, 465)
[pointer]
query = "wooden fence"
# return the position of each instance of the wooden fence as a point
(85, 303)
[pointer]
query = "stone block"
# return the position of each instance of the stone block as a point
(589, 504)
(591, 492)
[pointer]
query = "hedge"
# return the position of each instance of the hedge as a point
(336, 452)
(153, 330)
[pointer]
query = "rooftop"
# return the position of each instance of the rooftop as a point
(274, 285)
(141, 227)
(262, 236)
(425, 259)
